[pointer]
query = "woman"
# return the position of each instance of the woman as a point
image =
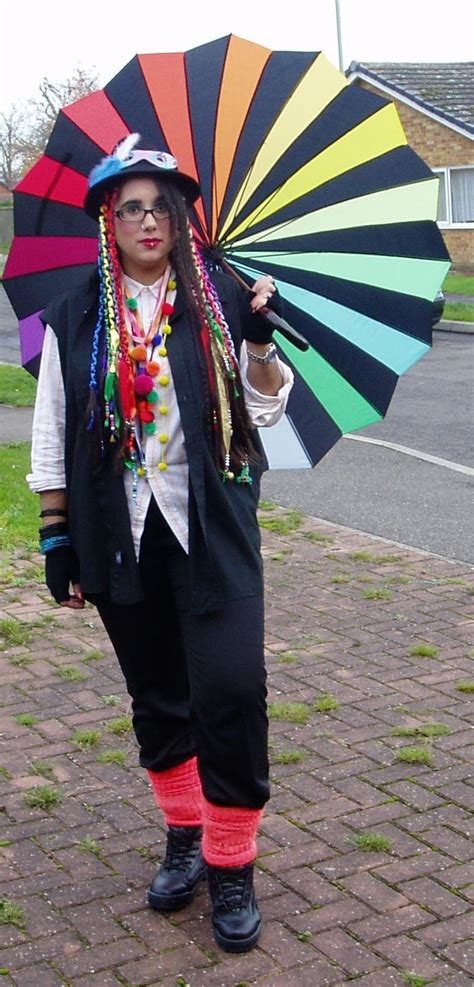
(148, 467)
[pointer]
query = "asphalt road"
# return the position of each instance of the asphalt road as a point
(394, 494)
(376, 489)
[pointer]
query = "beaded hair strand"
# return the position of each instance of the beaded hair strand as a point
(112, 405)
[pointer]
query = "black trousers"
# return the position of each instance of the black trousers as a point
(197, 682)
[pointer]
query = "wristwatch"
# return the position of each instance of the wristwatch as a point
(269, 357)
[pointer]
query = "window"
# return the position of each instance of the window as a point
(456, 196)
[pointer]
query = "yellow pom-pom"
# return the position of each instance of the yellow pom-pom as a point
(163, 410)
(163, 437)
(141, 471)
(164, 380)
(167, 330)
(162, 351)
(162, 467)
(171, 284)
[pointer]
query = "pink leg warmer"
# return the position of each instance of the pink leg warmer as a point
(229, 836)
(178, 794)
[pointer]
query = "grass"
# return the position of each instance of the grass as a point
(71, 673)
(44, 769)
(26, 719)
(112, 757)
(458, 284)
(415, 755)
(291, 712)
(86, 738)
(111, 700)
(287, 658)
(120, 726)
(424, 651)
(266, 505)
(369, 557)
(414, 979)
(94, 655)
(43, 797)
(464, 686)
(422, 730)
(17, 387)
(318, 537)
(20, 661)
(458, 312)
(18, 506)
(305, 936)
(13, 633)
(325, 703)
(88, 845)
(372, 841)
(288, 757)
(340, 579)
(377, 594)
(11, 913)
(284, 524)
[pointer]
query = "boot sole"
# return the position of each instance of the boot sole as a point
(237, 945)
(174, 903)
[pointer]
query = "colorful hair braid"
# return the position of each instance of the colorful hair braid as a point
(229, 423)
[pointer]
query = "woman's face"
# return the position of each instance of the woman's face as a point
(144, 246)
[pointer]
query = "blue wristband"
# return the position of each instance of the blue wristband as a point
(56, 541)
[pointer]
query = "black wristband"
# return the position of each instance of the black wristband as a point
(53, 512)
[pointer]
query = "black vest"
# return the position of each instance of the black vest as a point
(224, 537)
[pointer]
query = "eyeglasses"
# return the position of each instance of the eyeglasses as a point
(132, 213)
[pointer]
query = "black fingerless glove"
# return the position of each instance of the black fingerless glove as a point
(255, 327)
(61, 564)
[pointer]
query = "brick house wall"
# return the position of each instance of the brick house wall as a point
(440, 147)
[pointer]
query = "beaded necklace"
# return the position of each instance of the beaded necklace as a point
(147, 372)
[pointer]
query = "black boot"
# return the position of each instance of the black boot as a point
(176, 883)
(236, 920)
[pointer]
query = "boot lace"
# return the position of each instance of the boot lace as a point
(233, 889)
(181, 849)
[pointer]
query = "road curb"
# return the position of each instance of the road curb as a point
(465, 327)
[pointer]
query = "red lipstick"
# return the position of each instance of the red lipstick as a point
(150, 242)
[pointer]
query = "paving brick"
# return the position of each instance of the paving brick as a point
(401, 920)
(153, 968)
(432, 895)
(374, 892)
(409, 954)
(462, 953)
(338, 946)
(441, 934)
(364, 917)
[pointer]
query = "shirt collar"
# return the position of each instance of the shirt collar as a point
(135, 288)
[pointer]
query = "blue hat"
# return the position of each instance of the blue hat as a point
(124, 162)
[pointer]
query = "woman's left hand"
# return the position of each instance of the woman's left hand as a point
(263, 290)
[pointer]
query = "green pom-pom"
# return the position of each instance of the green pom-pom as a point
(152, 397)
(150, 428)
(132, 304)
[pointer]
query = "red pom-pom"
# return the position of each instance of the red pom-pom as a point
(146, 416)
(167, 309)
(143, 384)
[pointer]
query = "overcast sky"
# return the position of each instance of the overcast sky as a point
(51, 39)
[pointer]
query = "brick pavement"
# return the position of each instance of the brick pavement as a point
(344, 612)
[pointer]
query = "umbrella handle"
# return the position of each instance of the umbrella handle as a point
(281, 324)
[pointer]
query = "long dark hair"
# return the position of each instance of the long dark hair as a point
(205, 312)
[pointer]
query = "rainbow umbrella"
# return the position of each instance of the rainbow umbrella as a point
(303, 176)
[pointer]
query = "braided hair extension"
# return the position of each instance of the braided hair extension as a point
(205, 307)
(217, 360)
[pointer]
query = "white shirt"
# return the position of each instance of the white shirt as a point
(169, 488)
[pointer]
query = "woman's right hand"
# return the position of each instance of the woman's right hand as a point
(62, 570)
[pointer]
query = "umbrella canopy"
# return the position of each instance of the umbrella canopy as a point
(302, 176)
